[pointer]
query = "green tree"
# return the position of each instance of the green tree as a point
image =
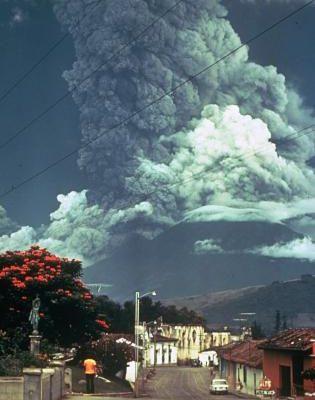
(121, 318)
(257, 331)
(277, 321)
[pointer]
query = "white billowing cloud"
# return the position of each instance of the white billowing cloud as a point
(19, 240)
(276, 1)
(78, 229)
(298, 248)
(6, 224)
(207, 246)
(144, 154)
(268, 211)
(227, 155)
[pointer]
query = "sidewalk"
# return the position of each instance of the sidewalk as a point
(98, 396)
(242, 395)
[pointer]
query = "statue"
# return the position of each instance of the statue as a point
(34, 315)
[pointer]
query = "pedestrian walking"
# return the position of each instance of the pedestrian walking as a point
(90, 368)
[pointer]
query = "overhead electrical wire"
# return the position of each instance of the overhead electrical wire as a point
(98, 68)
(29, 71)
(168, 93)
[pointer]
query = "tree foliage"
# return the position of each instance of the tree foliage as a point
(257, 331)
(121, 318)
(68, 311)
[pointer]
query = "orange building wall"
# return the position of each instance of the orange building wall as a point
(271, 366)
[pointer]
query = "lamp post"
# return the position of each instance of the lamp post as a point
(137, 322)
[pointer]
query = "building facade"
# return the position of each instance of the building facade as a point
(242, 365)
(162, 351)
(191, 340)
(286, 356)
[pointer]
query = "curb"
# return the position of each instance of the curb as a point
(123, 394)
(241, 395)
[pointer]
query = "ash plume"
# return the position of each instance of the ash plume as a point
(233, 109)
(216, 140)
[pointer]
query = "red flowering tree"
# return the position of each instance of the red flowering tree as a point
(68, 310)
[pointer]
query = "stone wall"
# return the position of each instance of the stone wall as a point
(35, 384)
(44, 384)
(11, 388)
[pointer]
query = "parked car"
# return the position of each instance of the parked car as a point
(219, 386)
(196, 363)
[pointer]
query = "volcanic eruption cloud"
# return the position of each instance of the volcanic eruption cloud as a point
(217, 140)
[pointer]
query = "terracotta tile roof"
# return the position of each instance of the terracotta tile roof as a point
(292, 339)
(247, 353)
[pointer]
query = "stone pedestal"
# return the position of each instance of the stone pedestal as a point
(35, 344)
(32, 383)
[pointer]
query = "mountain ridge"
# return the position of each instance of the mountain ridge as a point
(170, 265)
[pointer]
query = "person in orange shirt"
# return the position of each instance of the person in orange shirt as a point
(90, 369)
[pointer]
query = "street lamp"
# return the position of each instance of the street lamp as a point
(137, 322)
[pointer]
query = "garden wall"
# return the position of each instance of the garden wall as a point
(35, 384)
(11, 388)
(44, 384)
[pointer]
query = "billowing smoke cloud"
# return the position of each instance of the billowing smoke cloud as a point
(184, 42)
(83, 231)
(6, 225)
(212, 142)
(216, 122)
(207, 246)
(267, 211)
(276, 1)
(299, 248)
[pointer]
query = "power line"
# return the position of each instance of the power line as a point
(73, 152)
(69, 92)
(44, 56)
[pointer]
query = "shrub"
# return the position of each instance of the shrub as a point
(13, 364)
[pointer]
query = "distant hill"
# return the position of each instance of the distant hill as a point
(170, 265)
(294, 299)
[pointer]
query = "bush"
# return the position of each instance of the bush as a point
(13, 364)
(111, 356)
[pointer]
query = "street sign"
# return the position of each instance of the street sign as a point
(265, 393)
(264, 388)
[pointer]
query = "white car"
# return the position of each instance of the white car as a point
(219, 386)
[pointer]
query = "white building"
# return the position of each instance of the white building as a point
(191, 340)
(220, 337)
(208, 357)
(162, 351)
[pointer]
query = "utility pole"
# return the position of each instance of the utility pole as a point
(137, 318)
(136, 329)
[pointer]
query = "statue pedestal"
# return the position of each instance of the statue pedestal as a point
(35, 344)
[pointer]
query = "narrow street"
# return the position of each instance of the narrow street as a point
(176, 383)
(180, 383)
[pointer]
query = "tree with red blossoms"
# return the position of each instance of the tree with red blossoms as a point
(68, 311)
